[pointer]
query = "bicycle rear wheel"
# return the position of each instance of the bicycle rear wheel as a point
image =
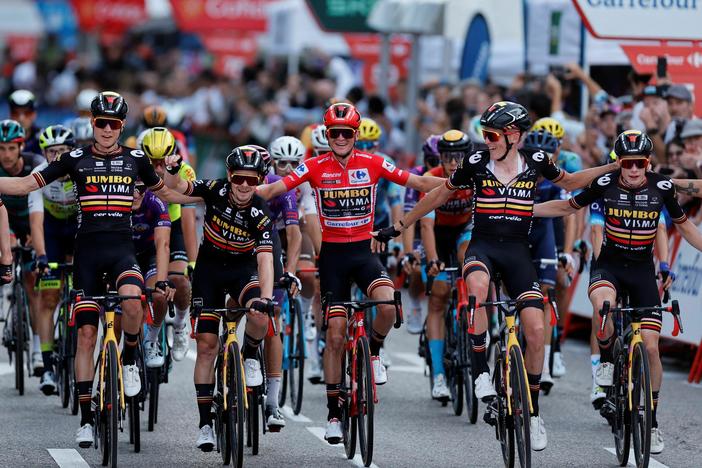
(642, 405)
(365, 403)
(349, 421)
(252, 421)
(466, 362)
(18, 319)
(235, 406)
(621, 424)
(154, 377)
(111, 408)
(134, 429)
(520, 406)
(297, 358)
(287, 337)
(504, 427)
(454, 376)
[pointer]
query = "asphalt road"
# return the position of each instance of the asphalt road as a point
(412, 430)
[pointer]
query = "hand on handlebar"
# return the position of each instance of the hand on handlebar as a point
(294, 282)
(5, 274)
(167, 288)
(434, 267)
(569, 263)
(409, 262)
(667, 276)
(41, 264)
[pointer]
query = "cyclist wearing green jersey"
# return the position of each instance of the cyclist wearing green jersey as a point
(158, 142)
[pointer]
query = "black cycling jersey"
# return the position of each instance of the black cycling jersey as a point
(631, 214)
(18, 205)
(237, 231)
(104, 185)
(500, 211)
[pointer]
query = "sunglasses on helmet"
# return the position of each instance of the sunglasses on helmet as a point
(102, 122)
(251, 181)
(628, 163)
(346, 133)
(282, 164)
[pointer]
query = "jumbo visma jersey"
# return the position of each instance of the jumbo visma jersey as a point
(104, 185)
(498, 210)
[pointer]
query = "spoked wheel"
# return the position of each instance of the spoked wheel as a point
(504, 426)
(111, 409)
(520, 406)
(286, 337)
(19, 331)
(617, 394)
(134, 429)
(349, 421)
(466, 361)
(236, 406)
(70, 364)
(221, 429)
(642, 405)
(365, 403)
(154, 377)
(454, 377)
(252, 420)
(297, 357)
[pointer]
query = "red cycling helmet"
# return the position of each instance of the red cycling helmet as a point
(342, 114)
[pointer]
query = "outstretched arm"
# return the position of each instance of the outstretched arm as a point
(18, 185)
(690, 233)
(580, 179)
(424, 183)
(268, 191)
(553, 209)
(689, 187)
(431, 201)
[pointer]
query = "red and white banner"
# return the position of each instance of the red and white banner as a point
(207, 15)
(366, 47)
(232, 50)
(22, 48)
(109, 15)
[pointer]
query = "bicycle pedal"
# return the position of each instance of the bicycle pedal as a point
(597, 404)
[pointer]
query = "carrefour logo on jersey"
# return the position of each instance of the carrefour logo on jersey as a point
(359, 176)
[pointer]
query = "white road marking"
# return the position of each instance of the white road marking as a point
(651, 463)
(318, 432)
(289, 414)
(410, 369)
(68, 458)
(6, 368)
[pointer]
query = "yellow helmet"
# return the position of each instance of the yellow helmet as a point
(158, 143)
(551, 125)
(369, 130)
(306, 136)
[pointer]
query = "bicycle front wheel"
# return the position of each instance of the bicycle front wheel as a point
(236, 406)
(111, 407)
(19, 315)
(297, 358)
(365, 403)
(520, 405)
(504, 427)
(618, 395)
(252, 393)
(349, 421)
(154, 376)
(466, 361)
(642, 405)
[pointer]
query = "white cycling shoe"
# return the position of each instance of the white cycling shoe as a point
(604, 376)
(84, 436)
(252, 369)
(379, 372)
(333, 433)
(131, 380)
(483, 387)
(440, 390)
(657, 444)
(153, 357)
(537, 433)
(559, 368)
(205, 439)
(180, 343)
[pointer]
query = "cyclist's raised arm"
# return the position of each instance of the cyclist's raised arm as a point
(430, 202)
(580, 179)
(689, 187)
(690, 233)
(268, 191)
(592, 193)
(553, 209)
(261, 218)
(424, 183)
(36, 221)
(19, 185)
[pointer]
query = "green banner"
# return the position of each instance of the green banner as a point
(342, 15)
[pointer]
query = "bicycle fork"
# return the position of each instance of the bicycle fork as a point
(511, 342)
(231, 338)
(636, 339)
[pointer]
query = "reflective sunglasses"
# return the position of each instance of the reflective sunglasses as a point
(628, 163)
(492, 137)
(141, 188)
(102, 122)
(365, 145)
(346, 133)
(251, 181)
(451, 156)
(287, 165)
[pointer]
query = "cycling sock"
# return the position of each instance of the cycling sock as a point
(376, 342)
(605, 349)
(85, 392)
(152, 333)
(436, 350)
(305, 304)
(273, 390)
(36, 344)
(333, 407)
(47, 355)
(594, 362)
(130, 343)
(179, 320)
(204, 394)
(477, 342)
(547, 358)
(654, 420)
(534, 387)
(250, 346)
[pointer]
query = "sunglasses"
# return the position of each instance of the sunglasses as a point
(492, 137)
(346, 133)
(141, 188)
(365, 145)
(251, 181)
(451, 156)
(282, 165)
(628, 163)
(114, 124)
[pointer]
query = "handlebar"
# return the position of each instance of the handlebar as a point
(550, 298)
(228, 312)
(674, 309)
(430, 278)
(362, 305)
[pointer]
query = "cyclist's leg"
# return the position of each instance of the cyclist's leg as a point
(34, 302)
(129, 282)
(147, 263)
(476, 273)
(176, 274)
(603, 287)
(371, 277)
(273, 350)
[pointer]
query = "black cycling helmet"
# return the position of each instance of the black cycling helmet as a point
(265, 155)
(109, 104)
(633, 143)
(541, 140)
(454, 141)
(246, 158)
(505, 115)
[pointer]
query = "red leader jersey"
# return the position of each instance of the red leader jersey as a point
(345, 195)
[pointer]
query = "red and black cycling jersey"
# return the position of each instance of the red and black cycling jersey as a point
(345, 195)
(238, 231)
(498, 210)
(457, 210)
(104, 185)
(631, 214)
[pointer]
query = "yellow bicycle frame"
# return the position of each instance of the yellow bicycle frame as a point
(635, 339)
(512, 341)
(232, 338)
(110, 337)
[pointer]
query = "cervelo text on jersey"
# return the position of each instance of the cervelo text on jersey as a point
(104, 185)
(345, 195)
(631, 215)
(513, 204)
(244, 231)
(458, 209)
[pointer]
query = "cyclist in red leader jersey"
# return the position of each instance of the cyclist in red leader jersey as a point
(344, 181)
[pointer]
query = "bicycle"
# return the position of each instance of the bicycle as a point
(293, 335)
(109, 399)
(229, 402)
(358, 390)
(16, 333)
(458, 353)
(256, 400)
(510, 411)
(629, 403)
(158, 375)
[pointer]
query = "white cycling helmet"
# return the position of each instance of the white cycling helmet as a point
(82, 129)
(319, 139)
(287, 148)
(84, 99)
